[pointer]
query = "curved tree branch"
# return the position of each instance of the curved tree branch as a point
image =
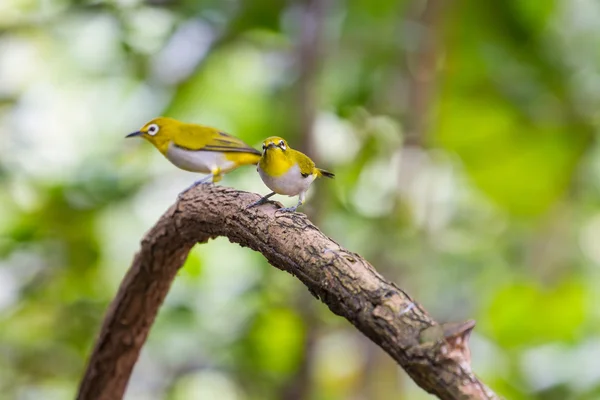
(435, 356)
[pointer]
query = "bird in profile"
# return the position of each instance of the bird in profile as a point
(198, 148)
(286, 171)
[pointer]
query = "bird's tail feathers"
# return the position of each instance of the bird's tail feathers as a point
(324, 173)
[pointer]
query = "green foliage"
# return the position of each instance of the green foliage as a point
(560, 313)
(276, 341)
(467, 170)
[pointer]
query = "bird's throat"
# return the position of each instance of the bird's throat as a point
(275, 162)
(162, 144)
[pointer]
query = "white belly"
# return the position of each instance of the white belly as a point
(199, 161)
(292, 183)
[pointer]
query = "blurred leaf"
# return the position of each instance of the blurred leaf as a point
(528, 314)
(276, 342)
(193, 264)
(505, 111)
(522, 166)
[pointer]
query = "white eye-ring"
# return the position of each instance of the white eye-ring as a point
(264, 147)
(282, 145)
(152, 129)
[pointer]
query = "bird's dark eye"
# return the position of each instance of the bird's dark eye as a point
(264, 146)
(282, 144)
(153, 129)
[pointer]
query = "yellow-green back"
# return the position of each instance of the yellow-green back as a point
(163, 131)
(200, 137)
(307, 166)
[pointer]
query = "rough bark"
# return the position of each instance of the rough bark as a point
(435, 356)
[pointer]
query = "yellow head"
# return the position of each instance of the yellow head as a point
(276, 157)
(274, 144)
(160, 131)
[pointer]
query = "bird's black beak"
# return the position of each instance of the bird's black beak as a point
(271, 145)
(134, 134)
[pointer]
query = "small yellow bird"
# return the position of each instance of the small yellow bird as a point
(286, 171)
(198, 148)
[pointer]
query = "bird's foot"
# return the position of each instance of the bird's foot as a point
(288, 209)
(256, 203)
(260, 201)
(207, 180)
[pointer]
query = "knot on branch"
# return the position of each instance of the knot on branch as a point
(452, 341)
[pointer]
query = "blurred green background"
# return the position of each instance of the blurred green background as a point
(463, 136)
